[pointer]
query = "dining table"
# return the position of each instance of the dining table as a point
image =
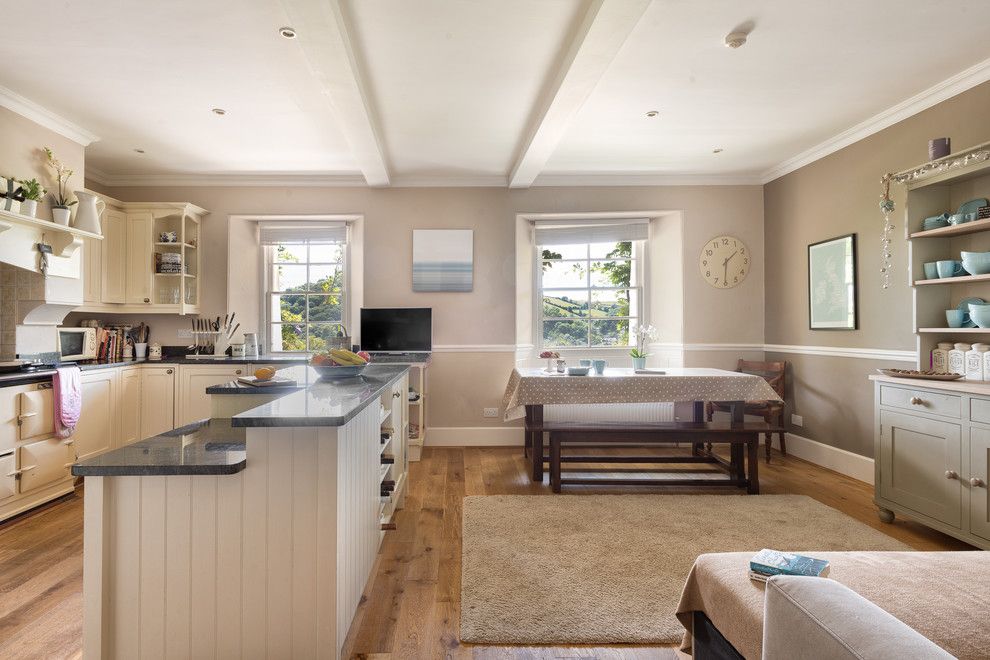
(531, 388)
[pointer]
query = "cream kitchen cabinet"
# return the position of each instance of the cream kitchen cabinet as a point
(97, 424)
(157, 399)
(194, 404)
(45, 462)
(120, 275)
(129, 411)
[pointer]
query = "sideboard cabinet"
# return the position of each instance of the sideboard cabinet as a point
(932, 455)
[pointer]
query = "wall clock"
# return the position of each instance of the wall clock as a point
(724, 262)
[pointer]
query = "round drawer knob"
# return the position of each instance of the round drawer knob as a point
(147, 300)
(238, 372)
(168, 371)
(951, 474)
(976, 482)
(917, 401)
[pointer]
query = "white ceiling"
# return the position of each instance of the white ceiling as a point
(479, 91)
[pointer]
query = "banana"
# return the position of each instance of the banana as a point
(346, 358)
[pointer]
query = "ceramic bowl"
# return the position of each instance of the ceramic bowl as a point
(338, 372)
(578, 371)
(976, 263)
(980, 315)
(958, 218)
(935, 222)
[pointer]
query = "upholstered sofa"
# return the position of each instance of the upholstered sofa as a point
(873, 605)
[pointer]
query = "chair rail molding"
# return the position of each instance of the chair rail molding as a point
(884, 354)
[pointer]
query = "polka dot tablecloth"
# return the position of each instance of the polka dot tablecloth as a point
(537, 387)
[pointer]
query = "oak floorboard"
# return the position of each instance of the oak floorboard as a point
(411, 607)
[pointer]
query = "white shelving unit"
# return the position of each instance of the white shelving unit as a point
(417, 418)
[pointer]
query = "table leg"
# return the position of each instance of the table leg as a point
(699, 416)
(555, 462)
(738, 463)
(534, 415)
(754, 464)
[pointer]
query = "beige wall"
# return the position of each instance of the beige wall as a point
(21, 154)
(838, 195)
(464, 383)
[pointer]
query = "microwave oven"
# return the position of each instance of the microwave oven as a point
(77, 344)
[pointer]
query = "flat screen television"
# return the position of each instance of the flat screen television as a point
(397, 330)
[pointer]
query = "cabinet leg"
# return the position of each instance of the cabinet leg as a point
(886, 515)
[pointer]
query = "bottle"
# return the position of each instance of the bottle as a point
(957, 359)
(974, 362)
(940, 357)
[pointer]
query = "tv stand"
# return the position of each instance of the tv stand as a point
(418, 364)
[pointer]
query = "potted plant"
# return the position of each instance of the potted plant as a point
(550, 356)
(33, 192)
(644, 335)
(61, 200)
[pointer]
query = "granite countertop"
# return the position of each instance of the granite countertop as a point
(324, 403)
(207, 447)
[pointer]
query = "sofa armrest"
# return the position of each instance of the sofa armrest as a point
(808, 617)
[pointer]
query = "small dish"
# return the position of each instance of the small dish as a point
(578, 371)
(935, 222)
(338, 372)
(958, 218)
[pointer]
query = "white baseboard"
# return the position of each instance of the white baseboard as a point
(474, 436)
(833, 458)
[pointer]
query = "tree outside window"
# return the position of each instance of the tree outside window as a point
(306, 295)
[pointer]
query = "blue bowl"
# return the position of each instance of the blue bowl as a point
(935, 222)
(578, 371)
(980, 315)
(976, 263)
(959, 218)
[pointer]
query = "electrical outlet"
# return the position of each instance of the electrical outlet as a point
(797, 420)
(184, 333)
(491, 412)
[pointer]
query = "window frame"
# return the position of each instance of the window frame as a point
(639, 259)
(268, 256)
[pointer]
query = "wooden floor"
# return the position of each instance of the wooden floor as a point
(411, 606)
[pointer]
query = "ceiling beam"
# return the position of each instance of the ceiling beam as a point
(596, 41)
(323, 34)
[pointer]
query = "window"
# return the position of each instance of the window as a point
(590, 294)
(305, 293)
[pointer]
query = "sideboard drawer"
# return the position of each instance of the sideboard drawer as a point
(920, 400)
(979, 410)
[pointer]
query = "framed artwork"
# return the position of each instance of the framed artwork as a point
(443, 259)
(832, 284)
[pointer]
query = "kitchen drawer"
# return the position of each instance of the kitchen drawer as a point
(37, 413)
(44, 462)
(948, 405)
(979, 410)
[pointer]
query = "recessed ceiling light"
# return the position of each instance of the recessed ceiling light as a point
(717, 150)
(219, 111)
(140, 151)
(287, 32)
(735, 39)
(653, 113)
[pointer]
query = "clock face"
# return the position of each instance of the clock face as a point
(724, 262)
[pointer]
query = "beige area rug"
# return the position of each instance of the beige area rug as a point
(593, 569)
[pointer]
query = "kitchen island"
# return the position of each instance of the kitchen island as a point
(248, 536)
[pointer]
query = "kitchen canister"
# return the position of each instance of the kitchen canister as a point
(974, 362)
(957, 358)
(940, 357)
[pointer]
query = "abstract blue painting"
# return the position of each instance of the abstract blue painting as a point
(443, 259)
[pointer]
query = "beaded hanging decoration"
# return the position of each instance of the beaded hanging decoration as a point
(886, 207)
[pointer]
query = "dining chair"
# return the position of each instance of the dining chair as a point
(774, 373)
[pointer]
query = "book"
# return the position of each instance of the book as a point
(758, 577)
(271, 382)
(773, 562)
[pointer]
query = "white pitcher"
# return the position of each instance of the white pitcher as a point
(87, 213)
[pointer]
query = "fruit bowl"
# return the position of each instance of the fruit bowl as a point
(338, 372)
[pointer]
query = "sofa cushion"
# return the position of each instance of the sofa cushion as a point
(811, 617)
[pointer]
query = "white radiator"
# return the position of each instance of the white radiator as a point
(610, 412)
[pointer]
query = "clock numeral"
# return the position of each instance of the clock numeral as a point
(725, 284)
(708, 273)
(725, 241)
(709, 252)
(705, 262)
(735, 279)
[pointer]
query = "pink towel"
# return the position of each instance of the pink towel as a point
(67, 390)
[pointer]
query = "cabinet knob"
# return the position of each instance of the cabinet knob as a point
(168, 371)
(951, 474)
(917, 401)
(238, 372)
(396, 395)
(976, 482)
(147, 300)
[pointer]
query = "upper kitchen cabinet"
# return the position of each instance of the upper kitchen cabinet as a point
(149, 261)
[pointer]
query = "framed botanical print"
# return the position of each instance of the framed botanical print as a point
(832, 284)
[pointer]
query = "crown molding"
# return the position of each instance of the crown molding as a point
(957, 84)
(224, 180)
(30, 110)
(646, 179)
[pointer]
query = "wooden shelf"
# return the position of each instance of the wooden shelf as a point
(953, 280)
(175, 245)
(956, 331)
(973, 227)
(174, 275)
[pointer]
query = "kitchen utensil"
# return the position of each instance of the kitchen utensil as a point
(599, 366)
(233, 330)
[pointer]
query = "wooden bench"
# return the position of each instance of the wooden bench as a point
(742, 437)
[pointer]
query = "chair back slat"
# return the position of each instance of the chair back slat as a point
(772, 372)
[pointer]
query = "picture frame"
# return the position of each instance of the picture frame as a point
(443, 260)
(832, 284)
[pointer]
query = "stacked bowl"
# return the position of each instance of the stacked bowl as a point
(976, 263)
(935, 222)
(979, 313)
